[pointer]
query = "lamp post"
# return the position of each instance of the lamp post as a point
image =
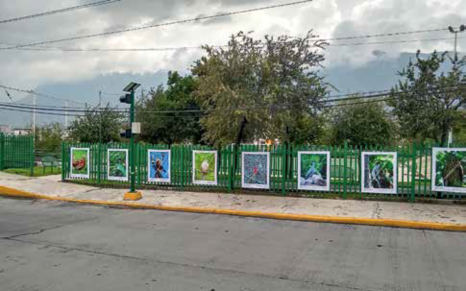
(461, 29)
(129, 99)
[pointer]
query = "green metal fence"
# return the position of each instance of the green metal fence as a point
(413, 168)
(17, 152)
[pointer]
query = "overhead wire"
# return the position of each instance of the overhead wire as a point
(361, 95)
(63, 113)
(398, 33)
(164, 49)
(58, 11)
(40, 94)
(138, 28)
(393, 41)
(384, 97)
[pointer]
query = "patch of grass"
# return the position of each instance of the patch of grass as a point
(38, 171)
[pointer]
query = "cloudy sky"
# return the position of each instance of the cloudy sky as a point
(328, 18)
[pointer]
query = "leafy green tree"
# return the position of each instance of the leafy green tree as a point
(459, 128)
(361, 124)
(308, 129)
(271, 85)
(426, 100)
(97, 124)
(157, 112)
(48, 138)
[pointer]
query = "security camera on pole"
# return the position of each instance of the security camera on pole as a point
(129, 133)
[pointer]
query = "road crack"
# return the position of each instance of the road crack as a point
(36, 232)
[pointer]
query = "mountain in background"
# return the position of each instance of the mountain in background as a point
(84, 93)
(379, 74)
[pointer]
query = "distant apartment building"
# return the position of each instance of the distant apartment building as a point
(21, 131)
(5, 129)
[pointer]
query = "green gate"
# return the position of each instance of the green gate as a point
(17, 152)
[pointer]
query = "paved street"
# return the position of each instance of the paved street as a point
(57, 246)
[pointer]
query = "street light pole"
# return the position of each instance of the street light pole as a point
(129, 99)
(461, 29)
(132, 149)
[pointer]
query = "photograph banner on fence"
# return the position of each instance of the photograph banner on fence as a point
(314, 170)
(379, 172)
(117, 165)
(255, 172)
(159, 166)
(79, 163)
(205, 167)
(449, 169)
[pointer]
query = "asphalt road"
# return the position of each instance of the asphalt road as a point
(54, 246)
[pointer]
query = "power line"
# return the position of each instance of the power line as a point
(111, 94)
(384, 97)
(364, 102)
(360, 95)
(42, 112)
(39, 94)
(387, 42)
(328, 99)
(3, 107)
(58, 11)
(54, 109)
(162, 49)
(199, 18)
(386, 34)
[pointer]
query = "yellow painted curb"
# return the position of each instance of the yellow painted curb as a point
(130, 196)
(10, 192)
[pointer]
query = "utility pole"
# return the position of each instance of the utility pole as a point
(34, 114)
(129, 99)
(66, 114)
(100, 117)
(461, 29)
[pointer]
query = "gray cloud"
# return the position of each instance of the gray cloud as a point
(326, 17)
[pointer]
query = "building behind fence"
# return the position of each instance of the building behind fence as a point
(413, 166)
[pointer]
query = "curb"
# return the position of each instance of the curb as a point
(11, 192)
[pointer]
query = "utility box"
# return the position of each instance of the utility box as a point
(136, 128)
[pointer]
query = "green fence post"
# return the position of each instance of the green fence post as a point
(62, 161)
(99, 163)
(234, 166)
(2, 151)
(182, 147)
(31, 144)
(345, 166)
(413, 174)
(284, 163)
(229, 169)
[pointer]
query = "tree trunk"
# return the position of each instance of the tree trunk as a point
(237, 144)
(444, 135)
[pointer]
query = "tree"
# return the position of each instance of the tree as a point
(308, 129)
(48, 138)
(361, 124)
(427, 100)
(157, 112)
(270, 85)
(459, 128)
(97, 125)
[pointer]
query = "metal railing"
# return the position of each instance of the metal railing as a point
(413, 166)
(17, 152)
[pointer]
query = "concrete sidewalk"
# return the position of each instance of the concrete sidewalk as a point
(278, 207)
